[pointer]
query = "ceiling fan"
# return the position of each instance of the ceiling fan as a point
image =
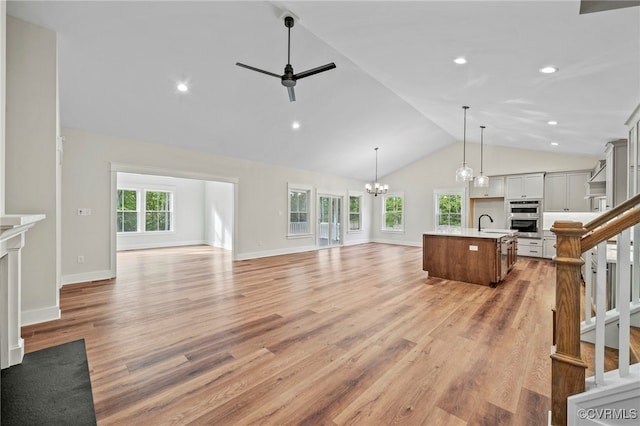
(289, 79)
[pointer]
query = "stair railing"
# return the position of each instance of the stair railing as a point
(573, 239)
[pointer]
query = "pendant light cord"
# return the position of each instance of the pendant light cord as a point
(481, 148)
(376, 181)
(464, 136)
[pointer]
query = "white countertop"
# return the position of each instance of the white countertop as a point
(473, 233)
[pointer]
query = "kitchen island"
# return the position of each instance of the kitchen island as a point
(479, 257)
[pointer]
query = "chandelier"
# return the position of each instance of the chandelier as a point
(377, 188)
(482, 180)
(464, 173)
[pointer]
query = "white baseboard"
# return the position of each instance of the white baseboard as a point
(164, 244)
(356, 242)
(222, 246)
(36, 316)
(15, 354)
(277, 252)
(398, 242)
(87, 276)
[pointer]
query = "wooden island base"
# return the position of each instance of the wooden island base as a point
(477, 260)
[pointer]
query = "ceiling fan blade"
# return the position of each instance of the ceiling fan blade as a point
(292, 94)
(257, 69)
(313, 71)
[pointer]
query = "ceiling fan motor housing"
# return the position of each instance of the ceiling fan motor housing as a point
(288, 21)
(287, 78)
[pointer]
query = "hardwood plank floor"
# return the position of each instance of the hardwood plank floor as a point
(350, 335)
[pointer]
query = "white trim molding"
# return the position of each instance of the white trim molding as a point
(87, 277)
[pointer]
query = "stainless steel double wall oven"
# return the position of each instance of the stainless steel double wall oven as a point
(525, 216)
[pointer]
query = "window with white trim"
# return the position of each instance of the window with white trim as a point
(127, 210)
(299, 210)
(450, 212)
(158, 211)
(355, 213)
(393, 212)
(150, 212)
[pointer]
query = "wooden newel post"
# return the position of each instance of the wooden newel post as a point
(567, 367)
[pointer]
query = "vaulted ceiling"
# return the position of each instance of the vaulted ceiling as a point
(395, 87)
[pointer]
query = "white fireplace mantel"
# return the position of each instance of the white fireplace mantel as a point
(12, 239)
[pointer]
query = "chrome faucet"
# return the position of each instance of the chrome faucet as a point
(480, 218)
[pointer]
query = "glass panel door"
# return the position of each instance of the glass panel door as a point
(329, 220)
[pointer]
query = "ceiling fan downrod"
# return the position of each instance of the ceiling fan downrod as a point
(289, 79)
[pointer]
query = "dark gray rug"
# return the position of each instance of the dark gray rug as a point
(50, 387)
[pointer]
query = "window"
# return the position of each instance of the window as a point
(393, 213)
(152, 212)
(299, 210)
(355, 214)
(449, 209)
(127, 211)
(157, 211)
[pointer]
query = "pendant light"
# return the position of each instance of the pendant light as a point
(377, 188)
(464, 173)
(482, 180)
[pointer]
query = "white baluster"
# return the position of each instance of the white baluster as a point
(588, 285)
(636, 266)
(601, 310)
(624, 279)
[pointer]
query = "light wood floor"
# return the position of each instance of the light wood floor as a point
(352, 335)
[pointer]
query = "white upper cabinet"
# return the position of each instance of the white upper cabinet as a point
(525, 186)
(566, 192)
(616, 171)
(494, 190)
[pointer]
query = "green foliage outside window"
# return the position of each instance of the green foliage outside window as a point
(354, 213)
(157, 211)
(450, 210)
(127, 211)
(393, 213)
(324, 210)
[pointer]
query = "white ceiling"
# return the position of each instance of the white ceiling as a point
(395, 86)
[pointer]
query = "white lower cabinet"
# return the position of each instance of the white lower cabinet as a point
(549, 249)
(531, 247)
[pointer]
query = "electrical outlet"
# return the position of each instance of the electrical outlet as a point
(80, 259)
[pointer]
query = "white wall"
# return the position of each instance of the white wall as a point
(188, 214)
(260, 197)
(218, 213)
(3, 44)
(494, 208)
(437, 171)
(31, 165)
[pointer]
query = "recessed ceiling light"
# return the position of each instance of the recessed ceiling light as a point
(295, 125)
(548, 69)
(460, 60)
(552, 123)
(182, 87)
(554, 144)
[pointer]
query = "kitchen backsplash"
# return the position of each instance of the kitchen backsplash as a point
(549, 218)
